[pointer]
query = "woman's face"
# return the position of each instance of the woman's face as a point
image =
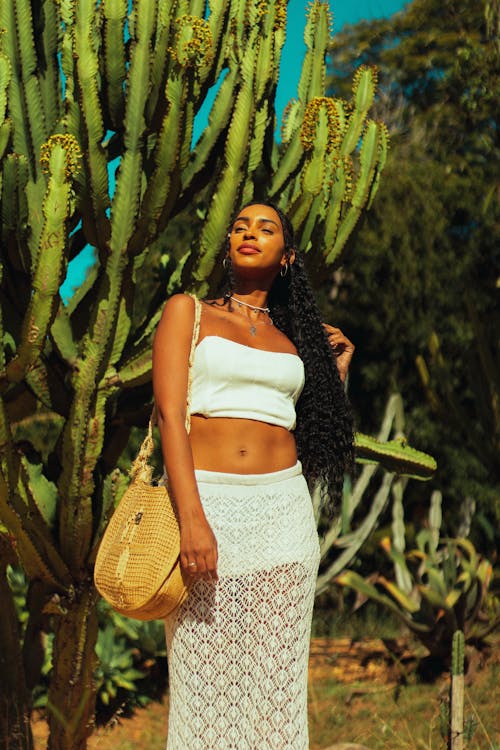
(256, 242)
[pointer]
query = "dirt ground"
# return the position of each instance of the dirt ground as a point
(359, 691)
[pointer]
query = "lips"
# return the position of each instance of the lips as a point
(248, 250)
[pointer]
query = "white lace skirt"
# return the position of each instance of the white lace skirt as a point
(238, 648)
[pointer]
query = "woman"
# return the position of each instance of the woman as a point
(266, 391)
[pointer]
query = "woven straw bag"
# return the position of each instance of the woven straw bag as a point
(137, 568)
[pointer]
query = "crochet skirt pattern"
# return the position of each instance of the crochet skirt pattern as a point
(238, 647)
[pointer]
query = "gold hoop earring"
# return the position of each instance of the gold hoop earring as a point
(284, 269)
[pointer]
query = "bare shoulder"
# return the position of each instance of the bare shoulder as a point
(177, 319)
(179, 306)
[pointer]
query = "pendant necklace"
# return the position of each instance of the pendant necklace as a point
(255, 309)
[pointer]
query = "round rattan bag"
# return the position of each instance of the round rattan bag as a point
(137, 568)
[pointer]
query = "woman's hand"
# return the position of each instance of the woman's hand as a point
(343, 349)
(198, 550)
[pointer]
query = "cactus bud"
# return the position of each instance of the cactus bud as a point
(321, 110)
(193, 43)
(61, 149)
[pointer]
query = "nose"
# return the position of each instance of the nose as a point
(249, 233)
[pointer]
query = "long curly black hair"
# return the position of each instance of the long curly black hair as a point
(324, 429)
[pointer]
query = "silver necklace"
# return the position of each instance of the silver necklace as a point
(254, 308)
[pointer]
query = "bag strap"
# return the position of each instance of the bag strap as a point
(141, 468)
(194, 341)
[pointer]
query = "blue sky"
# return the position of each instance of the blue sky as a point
(344, 12)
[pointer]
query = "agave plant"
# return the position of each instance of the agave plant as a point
(437, 588)
(116, 666)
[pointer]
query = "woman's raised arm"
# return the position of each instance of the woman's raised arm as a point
(342, 348)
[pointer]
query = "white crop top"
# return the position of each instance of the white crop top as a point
(234, 380)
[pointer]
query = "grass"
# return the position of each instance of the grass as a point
(411, 717)
(373, 709)
(371, 621)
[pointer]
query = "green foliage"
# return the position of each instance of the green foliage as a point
(481, 413)
(436, 588)
(18, 585)
(115, 670)
(427, 263)
(131, 668)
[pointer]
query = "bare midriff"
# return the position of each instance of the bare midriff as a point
(240, 446)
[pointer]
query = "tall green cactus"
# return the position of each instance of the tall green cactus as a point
(97, 106)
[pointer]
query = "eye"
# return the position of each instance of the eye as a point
(268, 231)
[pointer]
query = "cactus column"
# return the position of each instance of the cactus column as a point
(457, 692)
(71, 702)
